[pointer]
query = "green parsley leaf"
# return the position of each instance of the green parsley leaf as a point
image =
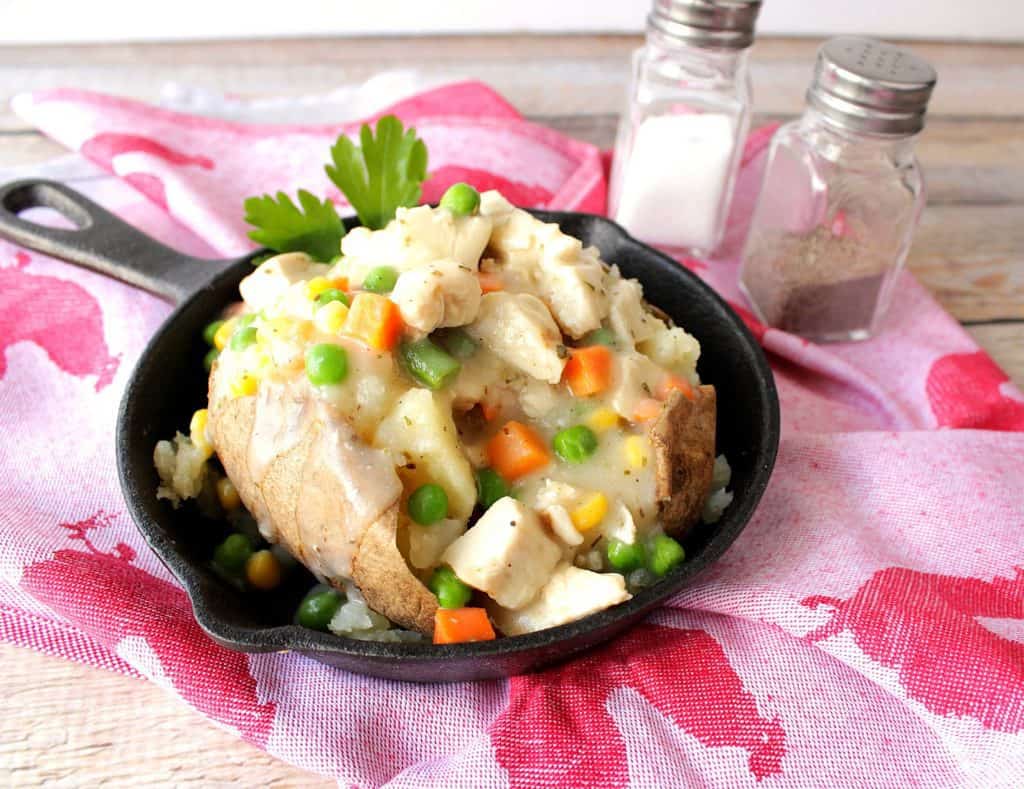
(312, 227)
(385, 172)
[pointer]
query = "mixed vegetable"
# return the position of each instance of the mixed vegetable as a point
(466, 381)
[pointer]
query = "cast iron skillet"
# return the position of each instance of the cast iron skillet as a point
(168, 384)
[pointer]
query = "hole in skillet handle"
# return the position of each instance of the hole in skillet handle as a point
(748, 434)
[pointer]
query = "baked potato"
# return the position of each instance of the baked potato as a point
(464, 412)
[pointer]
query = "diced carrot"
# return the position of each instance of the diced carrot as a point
(375, 320)
(490, 410)
(459, 625)
(647, 409)
(341, 283)
(589, 370)
(516, 450)
(490, 281)
(670, 383)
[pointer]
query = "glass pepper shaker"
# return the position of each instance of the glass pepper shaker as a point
(841, 196)
(681, 136)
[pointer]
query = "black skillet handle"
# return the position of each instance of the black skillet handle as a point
(100, 241)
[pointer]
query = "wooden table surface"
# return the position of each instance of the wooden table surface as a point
(75, 725)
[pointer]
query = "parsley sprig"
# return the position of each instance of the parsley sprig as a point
(385, 171)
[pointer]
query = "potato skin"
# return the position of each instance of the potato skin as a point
(298, 497)
(683, 439)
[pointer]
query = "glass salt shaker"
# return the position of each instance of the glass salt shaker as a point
(842, 195)
(681, 137)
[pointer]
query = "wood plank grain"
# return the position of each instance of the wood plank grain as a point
(1004, 343)
(558, 74)
(66, 724)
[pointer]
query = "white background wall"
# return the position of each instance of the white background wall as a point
(116, 20)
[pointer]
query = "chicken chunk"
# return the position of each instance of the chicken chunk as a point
(443, 293)
(518, 328)
(269, 281)
(635, 378)
(627, 316)
(571, 283)
(572, 593)
(415, 237)
(507, 554)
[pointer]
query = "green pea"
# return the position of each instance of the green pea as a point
(210, 358)
(243, 338)
(665, 555)
(600, 336)
(428, 504)
(625, 556)
(428, 364)
(326, 363)
(461, 199)
(380, 280)
(318, 609)
(448, 589)
(575, 444)
(457, 342)
(332, 294)
(490, 487)
(211, 330)
(244, 321)
(232, 554)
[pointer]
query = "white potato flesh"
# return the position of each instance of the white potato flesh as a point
(507, 555)
(634, 378)
(675, 349)
(572, 593)
(420, 433)
(627, 316)
(428, 543)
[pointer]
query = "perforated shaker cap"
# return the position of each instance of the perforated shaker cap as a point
(869, 86)
(717, 24)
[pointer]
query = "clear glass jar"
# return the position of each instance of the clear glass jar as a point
(680, 139)
(841, 197)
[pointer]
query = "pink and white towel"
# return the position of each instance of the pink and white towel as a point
(867, 629)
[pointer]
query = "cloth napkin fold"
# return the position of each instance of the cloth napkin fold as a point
(867, 629)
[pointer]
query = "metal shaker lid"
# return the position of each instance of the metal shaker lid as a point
(717, 24)
(865, 85)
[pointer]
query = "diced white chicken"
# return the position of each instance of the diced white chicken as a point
(415, 237)
(571, 594)
(419, 431)
(619, 525)
(553, 501)
(674, 349)
(270, 280)
(518, 328)
(443, 293)
(561, 525)
(634, 378)
(627, 316)
(482, 377)
(536, 398)
(571, 283)
(428, 543)
(507, 554)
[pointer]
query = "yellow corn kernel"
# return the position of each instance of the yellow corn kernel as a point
(635, 448)
(331, 317)
(590, 512)
(262, 570)
(316, 286)
(262, 360)
(197, 431)
(601, 420)
(227, 494)
(223, 334)
(244, 385)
